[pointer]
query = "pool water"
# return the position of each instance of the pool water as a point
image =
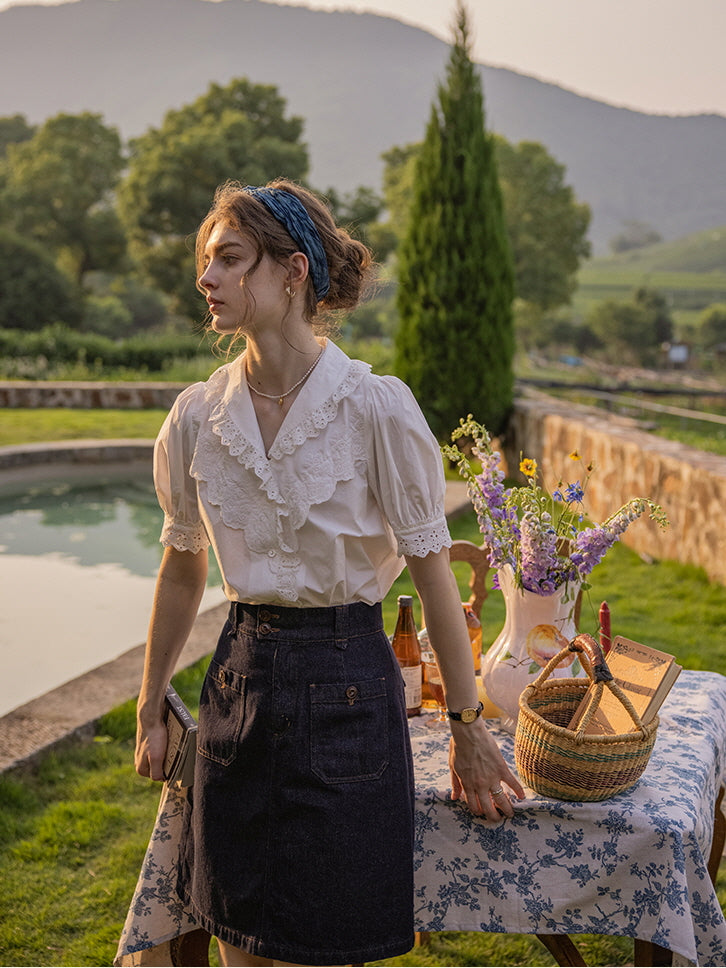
(78, 562)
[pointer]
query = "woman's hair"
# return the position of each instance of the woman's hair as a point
(349, 261)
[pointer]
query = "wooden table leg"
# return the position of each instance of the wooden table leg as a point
(719, 838)
(191, 948)
(649, 953)
(562, 949)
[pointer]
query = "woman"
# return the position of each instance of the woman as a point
(311, 478)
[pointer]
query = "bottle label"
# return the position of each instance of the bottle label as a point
(412, 681)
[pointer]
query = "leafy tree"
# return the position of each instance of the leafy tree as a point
(58, 189)
(656, 305)
(235, 132)
(106, 315)
(455, 343)
(632, 332)
(399, 173)
(712, 325)
(13, 130)
(634, 235)
(547, 226)
(34, 293)
(359, 212)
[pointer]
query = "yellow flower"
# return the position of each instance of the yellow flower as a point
(575, 455)
(528, 466)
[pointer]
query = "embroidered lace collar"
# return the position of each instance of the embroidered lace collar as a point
(233, 419)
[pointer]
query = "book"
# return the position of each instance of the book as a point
(181, 745)
(645, 675)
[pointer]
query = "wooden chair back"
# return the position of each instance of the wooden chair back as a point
(478, 557)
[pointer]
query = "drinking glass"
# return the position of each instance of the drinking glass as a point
(433, 678)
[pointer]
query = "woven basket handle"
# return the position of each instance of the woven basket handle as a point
(597, 669)
(600, 675)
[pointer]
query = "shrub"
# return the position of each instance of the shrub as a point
(34, 292)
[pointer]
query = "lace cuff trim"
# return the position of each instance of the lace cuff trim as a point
(183, 537)
(426, 538)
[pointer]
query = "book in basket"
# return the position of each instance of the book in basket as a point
(645, 675)
(181, 746)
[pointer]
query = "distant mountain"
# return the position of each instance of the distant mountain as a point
(363, 83)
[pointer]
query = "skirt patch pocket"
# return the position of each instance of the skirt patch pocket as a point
(221, 713)
(348, 730)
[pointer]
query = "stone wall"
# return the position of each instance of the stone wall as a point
(688, 483)
(89, 395)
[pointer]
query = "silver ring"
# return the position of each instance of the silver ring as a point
(497, 793)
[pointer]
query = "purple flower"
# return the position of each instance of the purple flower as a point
(517, 523)
(591, 546)
(574, 493)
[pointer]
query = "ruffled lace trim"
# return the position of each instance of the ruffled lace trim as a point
(270, 512)
(184, 537)
(267, 499)
(248, 453)
(319, 418)
(429, 538)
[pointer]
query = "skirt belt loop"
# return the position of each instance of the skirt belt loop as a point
(233, 617)
(342, 622)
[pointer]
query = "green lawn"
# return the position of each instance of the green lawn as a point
(20, 426)
(73, 831)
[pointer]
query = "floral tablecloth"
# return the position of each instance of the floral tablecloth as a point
(634, 865)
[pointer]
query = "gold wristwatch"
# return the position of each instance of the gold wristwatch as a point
(467, 715)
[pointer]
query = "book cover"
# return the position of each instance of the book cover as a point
(181, 746)
(645, 675)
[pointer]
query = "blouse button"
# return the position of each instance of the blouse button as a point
(271, 553)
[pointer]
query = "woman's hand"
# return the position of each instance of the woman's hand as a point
(478, 771)
(179, 589)
(151, 743)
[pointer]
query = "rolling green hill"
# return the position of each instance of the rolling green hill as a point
(690, 272)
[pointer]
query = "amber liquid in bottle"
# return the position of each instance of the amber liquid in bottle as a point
(474, 626)
(406, 648)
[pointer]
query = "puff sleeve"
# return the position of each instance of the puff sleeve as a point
(405, 469)
(176, 489)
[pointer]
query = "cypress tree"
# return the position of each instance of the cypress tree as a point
(455, 339)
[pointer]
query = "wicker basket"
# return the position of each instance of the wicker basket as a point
(558, 762)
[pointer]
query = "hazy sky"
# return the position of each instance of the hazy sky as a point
(664, 56)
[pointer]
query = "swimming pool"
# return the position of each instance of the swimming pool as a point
(78, 561)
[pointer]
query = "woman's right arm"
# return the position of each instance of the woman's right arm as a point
(179, 589)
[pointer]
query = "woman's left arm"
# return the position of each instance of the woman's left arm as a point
(478, 768)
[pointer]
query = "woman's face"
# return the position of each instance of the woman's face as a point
(235, 299)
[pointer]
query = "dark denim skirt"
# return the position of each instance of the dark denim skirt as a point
(299, 830)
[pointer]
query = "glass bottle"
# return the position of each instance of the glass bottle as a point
(406, 648)
(474, 626)
(428, 700)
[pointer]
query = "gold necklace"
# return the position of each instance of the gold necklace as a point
(281, 396)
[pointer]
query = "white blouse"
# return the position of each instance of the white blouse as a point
(353, 480)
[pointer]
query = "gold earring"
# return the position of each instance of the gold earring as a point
(290, 291)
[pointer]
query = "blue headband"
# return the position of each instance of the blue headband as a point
(290, 212)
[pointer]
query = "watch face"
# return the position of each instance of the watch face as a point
(469, 715)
